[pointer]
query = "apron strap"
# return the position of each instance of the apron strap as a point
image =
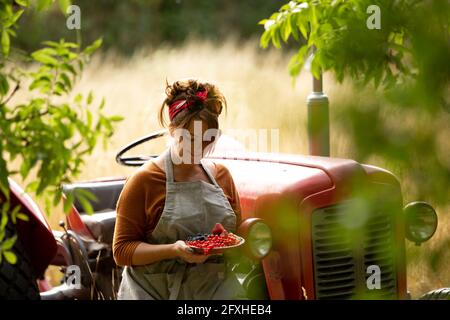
(175, 289)
(210, 175)
(168, 165)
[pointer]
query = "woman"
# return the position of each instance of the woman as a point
(173, 197)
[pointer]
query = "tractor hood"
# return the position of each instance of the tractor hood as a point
(257, 174)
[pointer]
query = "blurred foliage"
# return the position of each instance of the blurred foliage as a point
(127, 25)
(50, 131)
(401, 70)
(399, 117)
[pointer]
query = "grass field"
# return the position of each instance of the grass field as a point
(260, 94)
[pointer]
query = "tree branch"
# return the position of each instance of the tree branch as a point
(16, 88)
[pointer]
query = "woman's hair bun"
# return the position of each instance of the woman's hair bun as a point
(188, 89)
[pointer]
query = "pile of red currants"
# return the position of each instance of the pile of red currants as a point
(219, 238)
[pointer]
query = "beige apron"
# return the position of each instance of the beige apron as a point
(190, 208)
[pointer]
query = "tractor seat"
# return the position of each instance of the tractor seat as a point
(106, 192)
(101, 225)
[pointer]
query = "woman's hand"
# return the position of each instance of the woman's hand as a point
(183, 251)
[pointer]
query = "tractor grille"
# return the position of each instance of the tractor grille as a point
(345, 243)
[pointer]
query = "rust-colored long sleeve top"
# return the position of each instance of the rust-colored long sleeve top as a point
(141, 203)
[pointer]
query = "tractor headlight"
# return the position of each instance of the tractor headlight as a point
(259, 239)
(421, 221)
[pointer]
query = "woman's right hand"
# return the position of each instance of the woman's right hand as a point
(183, 251)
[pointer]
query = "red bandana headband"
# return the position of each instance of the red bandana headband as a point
(180, 105)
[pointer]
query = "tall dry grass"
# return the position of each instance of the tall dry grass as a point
(260, 94)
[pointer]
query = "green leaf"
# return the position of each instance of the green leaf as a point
(116, 118)
(63, 5)
(70, 68)
(263, 22)
(5, 42)
(102, 104)
(304, 30)
(51, 44)
(4, 184)
(10, 257)
(106, 123)
(43, 4)
(23, 3)
(265, 38)
(86, 205)
(9, 243)
(4, 85)
(87, 194)
(68, 203)
(69, 45)
(12, 21)
(5, 207)
(17, 15)
(41, 187)
(80, 65)
(24, 169)
(41, 84)
(57, 197)
(90, 98)
(286, 30)
(302, 23)
(32, 186)
(326, 28)
(398, 38)
(14, 213)
(3, 221)
(315, 66)
(88, 118)
(43, 57)
(285, 7)
(297, 61)
(49, 51)
(66, 81)
(276, 38)
(93, 47)
(78, 98)
(23, 217)
(294, 28)
(12, 33)
(314, 22)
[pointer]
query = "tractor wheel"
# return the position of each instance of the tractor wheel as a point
(17, 281)
(438, 294)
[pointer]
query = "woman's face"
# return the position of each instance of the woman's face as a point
(191, 143)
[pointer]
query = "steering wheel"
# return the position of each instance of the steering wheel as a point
(137, 161)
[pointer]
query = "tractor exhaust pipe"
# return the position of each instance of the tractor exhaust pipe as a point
(318, 120)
